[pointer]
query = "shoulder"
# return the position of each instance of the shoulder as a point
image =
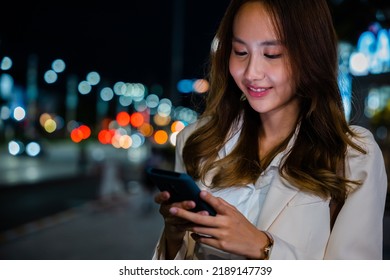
(361, 131)
(183, 135)
(190, 128)
(231, 136)
(368, 169)
(366, 140)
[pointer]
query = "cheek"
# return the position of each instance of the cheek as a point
(234, 69)
(281, 77)
(289, 84)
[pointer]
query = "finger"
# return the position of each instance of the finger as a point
(204, 231)
(205, 239)
(195, 218)
(188, 204)
(204, 213)
(164, 207)
(198, 236)
(162, 197)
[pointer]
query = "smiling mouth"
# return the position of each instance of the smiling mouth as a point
(258, 91)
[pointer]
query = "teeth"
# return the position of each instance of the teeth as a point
(257, 89)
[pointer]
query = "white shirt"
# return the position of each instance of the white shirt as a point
(248, 200)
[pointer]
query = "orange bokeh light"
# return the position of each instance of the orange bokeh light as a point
(80, 133)
(76, 135)
(137, 119)
(123, 118)
(201, 86)
(161, 120)
(177, 126)
(146, 129)
(105, 136)
(85, 131)
(161, 137)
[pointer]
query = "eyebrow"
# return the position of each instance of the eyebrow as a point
(263, 43)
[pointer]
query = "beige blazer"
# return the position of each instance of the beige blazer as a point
(300, 222)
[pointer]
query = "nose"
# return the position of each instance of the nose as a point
(254, 69)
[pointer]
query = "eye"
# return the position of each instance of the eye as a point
(240, 53)
(273, 56)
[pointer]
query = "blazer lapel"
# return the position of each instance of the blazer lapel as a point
(279, 194)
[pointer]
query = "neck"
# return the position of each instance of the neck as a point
(275, 128)
(278, 125)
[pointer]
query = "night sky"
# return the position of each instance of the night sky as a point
(131, 43)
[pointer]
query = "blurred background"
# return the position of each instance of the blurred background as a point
(92, 94)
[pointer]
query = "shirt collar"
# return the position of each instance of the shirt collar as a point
(278, 158)
(235, 132)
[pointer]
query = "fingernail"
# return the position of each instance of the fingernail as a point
(204, 213)
(173, 210)
(203, 193)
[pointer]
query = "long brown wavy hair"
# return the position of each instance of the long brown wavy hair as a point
(312, 165)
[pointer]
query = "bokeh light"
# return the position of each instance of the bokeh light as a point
(120, 88)
(19, 113)
(177, 126)
(137, 119)
(146, 129)
(84, 87)
(15, 147)
(6, 63)
(93, 78)
(105, 136)
(358, 64)
(58, 66)
(85, 131)
(138, 140)
(5, 113)
(201, 86)
(152, 100)
(80, 133)
(33, 149)
(50, 76)
(50, 125)
(125, 141)
(161, 137)
(125, 101)
(76, 135)
(6, 85)
(123, 118)
(160, 120)
(185, 86)
(172, 138)
(106, 94)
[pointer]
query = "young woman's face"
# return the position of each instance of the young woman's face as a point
(259, 62)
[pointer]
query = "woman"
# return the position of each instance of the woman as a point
(273, 150)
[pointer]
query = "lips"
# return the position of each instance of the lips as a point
(258, 91)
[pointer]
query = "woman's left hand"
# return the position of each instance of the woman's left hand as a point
(229, 230)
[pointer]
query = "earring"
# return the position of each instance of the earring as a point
(243, 97)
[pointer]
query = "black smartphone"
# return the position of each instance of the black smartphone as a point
(180, 186)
